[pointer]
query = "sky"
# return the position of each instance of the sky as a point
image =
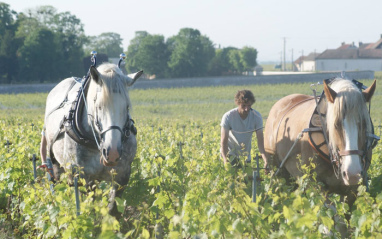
(305, 26)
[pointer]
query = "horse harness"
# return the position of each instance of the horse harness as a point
(73, 126)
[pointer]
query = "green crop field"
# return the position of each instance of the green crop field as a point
(198, 198)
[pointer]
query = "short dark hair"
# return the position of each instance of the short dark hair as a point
(244, 96)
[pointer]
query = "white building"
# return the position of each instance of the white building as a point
(306, 63)
(349, 57)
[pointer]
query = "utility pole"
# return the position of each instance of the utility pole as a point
(284, 64)
(292, 64)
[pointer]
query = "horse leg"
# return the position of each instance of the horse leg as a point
(117, 190)
(113, 209)
(349, 199)
(339, 223)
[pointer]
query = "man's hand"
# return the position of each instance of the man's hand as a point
(44, 166)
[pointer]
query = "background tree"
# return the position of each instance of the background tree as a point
(70, 38)
(150, 53)
(8, 44)
(7, 18)
(9, 65)
(108, 43)
(26, 26)
(44, 15)
(33, 19)
(235, 61)
(190, 53)
(37, 57)
(220, 64)
(42, 44)
(248, 56)
(133, 50)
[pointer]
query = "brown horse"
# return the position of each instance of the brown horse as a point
(337, 135)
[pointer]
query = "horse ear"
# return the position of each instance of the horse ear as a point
(330, 93)
(95, 75)
(133, 77)
(369, 92)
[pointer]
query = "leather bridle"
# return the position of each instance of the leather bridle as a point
(125, 132)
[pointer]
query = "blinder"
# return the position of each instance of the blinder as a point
(372, 141)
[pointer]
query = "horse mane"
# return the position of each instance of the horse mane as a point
(349, 103)
(113, 81)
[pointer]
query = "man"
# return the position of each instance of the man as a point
(237, 126)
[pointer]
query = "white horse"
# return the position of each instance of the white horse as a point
(107, 140)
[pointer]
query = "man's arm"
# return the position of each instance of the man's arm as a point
(224, 144)
(260, 144)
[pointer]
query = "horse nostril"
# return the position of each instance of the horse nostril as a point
(344, 174)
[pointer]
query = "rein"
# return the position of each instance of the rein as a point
(86, 106)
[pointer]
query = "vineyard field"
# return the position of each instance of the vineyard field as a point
(178, 186)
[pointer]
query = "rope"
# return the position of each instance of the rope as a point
(290, 150)
(86, 106)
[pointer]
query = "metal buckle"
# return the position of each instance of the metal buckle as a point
(127, 133)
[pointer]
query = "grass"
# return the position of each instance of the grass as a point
(197, 104)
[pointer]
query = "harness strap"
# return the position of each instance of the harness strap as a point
(62, 121)
(112, 127)
(55, 138)
(350, 152)
(65, 99)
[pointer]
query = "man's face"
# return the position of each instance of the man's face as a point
(244, 109)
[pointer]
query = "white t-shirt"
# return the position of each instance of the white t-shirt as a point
(239, 143)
